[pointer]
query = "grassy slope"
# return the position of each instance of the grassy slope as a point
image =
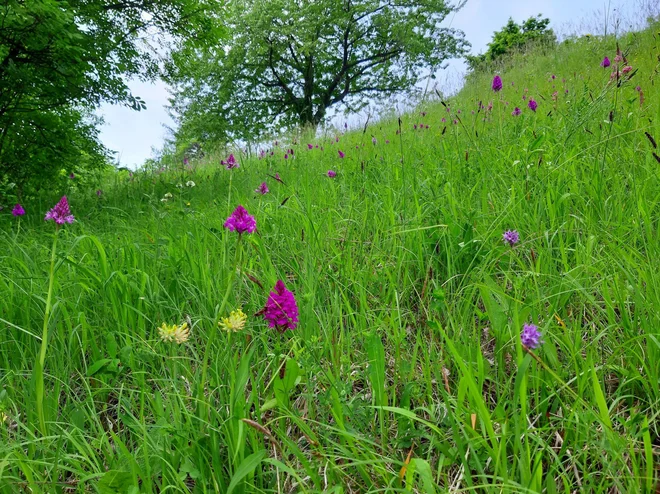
(408, 298)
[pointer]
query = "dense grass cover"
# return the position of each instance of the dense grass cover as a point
(406, 372)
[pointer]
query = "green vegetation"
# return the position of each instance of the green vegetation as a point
(406, 372)
(58, 60)
(284, 63)
(512, 38)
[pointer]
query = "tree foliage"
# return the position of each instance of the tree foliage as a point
(514, 36)
(286, 62)
(58, 60)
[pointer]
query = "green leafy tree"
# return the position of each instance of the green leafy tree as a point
(58, 60)
(286, 62)
(513, 36)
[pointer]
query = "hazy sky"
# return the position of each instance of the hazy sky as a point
(133, 134)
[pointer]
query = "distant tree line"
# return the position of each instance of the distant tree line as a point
(511, 37)
(237, 69)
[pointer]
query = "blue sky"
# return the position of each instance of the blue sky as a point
(133, 134)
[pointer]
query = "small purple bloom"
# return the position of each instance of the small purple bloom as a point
(18, 210)
(72, 176)
(605, 63)
(497, 83)
(240, 221)
(332, 173)
(231, 162)
(281, 310)
(310, 146)
(61, 213)
(638, 88)
(511, 237)
(530, 336)
(341, 153)
(99, 193)
(374, 141)
(516, 111)
(262, 189)
(443, 120)
(533, 105)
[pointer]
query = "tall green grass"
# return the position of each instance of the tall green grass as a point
(406, 373)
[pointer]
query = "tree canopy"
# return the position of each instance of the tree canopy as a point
(286, 62)
(58, 60)
(514, 36)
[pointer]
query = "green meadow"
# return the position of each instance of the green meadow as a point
(406, 371)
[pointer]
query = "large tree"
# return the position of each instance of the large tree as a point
(59, 59)
(286, 62)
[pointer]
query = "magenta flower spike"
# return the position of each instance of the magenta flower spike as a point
(516, 111)
(262, 189)
(605, 63)
(341, 153)
(497, 83)
(530, 336)
(240, 221)
(61, 213)
(18, 210)
(532, 105)
(281, 310)
(332, 173)
(511, 237)
(231, 162)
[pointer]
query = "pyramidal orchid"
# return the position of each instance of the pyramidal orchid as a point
(281, 309)
(240, 221)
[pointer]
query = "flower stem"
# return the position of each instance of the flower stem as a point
(39, 369)
(205, 362)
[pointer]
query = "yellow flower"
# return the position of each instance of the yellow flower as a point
(172, 332)
(235, 321)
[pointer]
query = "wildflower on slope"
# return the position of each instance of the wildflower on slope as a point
(497, 83)
(235, 322)
(533, 105)
(511, 237)
(341, 153)
(190, 183)
(172, 332)
(281, 310)
(262, 189)
(18, 210)
(605, 63)
(231, 162)
(332, 173)
(516, 111)
(626, 69)
(240, 221)
(61, 213)
(374, 141)
(530, 336)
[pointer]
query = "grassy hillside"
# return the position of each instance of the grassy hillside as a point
(406, 371)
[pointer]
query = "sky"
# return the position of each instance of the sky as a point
(133, 134)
